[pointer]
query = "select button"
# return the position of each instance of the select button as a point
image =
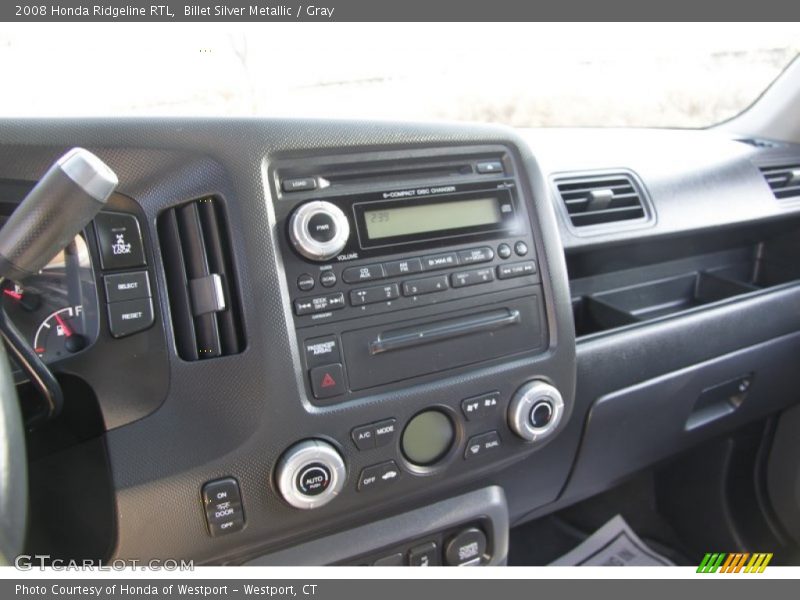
(127, 286)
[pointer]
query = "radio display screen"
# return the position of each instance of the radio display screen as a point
(429, 218)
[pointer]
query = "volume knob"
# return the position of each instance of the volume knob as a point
(319, 230)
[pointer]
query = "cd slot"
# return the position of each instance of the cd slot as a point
(378, 355)
(443, 330)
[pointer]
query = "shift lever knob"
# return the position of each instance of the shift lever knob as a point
(69, 195)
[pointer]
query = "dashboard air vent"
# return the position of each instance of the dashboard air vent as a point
(783, 180)
(206, 316)
(760, 142)
(601, 199)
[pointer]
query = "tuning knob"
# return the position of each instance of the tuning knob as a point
(319, 230)
(535, 411)
(310, 474)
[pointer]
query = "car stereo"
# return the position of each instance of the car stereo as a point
(401, 271)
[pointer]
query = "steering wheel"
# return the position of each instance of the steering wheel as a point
(13, 467)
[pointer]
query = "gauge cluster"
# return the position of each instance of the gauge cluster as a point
(57, 309)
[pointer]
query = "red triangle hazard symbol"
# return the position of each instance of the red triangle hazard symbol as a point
(328, 381)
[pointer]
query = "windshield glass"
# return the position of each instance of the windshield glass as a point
(602, 75)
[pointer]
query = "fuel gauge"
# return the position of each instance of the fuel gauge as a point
(61, 334)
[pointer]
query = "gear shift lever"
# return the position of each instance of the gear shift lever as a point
(66, 198)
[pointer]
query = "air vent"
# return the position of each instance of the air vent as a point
(761, 142)
(601, 199)
(206, 315)
(784, 180)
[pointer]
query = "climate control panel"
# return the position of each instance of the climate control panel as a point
(312, 473)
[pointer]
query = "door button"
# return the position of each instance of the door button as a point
(223, 506)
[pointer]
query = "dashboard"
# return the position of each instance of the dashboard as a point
(381, 343)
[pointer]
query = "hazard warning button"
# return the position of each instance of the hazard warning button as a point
(327, 381)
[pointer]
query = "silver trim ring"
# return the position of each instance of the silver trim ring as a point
(308, 246)
(519, 412)
(300, 456)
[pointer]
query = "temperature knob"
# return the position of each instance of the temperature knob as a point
(535, 411)
(310, 474)
(319, 230)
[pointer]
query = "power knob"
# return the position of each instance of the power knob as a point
(310, 474)
(319, 230)
(535, 411)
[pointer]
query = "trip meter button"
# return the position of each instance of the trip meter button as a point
(127, 286)
(129, 317)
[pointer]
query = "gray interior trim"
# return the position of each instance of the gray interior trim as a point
(488, 502)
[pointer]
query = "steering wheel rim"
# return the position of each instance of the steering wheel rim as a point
(13, 467)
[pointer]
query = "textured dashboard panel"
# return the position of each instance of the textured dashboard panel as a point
(235, 415)
(696, 179)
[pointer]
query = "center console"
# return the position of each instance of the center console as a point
(402, 269)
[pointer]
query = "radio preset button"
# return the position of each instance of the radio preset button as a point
(466, 278)
(504, 251)
(363, 273)
(516, 270)
(428, 285)
(403, 267)
(305, 282)
(327, 279)
(371, 295)
(306, 306)
(476, 255)
(434, 262)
